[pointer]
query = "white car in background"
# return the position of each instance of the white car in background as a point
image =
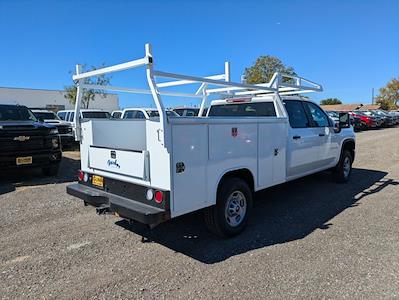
(68, 115)
(144, 113)
(85, 114)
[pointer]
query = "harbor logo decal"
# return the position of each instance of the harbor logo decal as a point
(113, 163)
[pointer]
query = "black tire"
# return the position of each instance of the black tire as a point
(51, 170)
(340, 172)
(216, 217)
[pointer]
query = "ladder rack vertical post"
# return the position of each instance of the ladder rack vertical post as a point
(155, 94)
(78, 104)
(276, 80)
(227, 71)
(203, 102)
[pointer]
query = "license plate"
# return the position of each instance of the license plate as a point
(98, 181)
(24, 160)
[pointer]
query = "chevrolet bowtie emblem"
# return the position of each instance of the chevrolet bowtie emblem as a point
(22, 138)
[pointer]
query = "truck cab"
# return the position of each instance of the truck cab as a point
(26, 142)
(313, 140)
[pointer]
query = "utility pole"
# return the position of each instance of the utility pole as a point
(372, 96)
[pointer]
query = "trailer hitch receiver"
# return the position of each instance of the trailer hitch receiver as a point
(103, 210)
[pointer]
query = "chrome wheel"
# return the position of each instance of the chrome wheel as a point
(346, 166)
(236, 208)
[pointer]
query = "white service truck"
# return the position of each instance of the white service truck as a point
(255, 137)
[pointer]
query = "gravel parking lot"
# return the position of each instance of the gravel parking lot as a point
(310, 238)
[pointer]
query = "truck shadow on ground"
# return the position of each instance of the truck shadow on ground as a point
(281, 214)
(12, 179)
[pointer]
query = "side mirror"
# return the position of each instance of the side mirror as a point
(40, 119)
(344, 120)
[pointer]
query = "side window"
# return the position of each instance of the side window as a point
(139, 115)
(71, 116)
(319, 118)
(296, 114)
(62, 115)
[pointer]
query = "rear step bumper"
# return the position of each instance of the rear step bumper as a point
(124, 207)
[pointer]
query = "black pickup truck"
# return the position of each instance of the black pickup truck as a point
(26, 142)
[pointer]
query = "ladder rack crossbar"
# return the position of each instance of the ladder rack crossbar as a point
(183, 82)
(207, 80)
(135, 90)
(116, 68)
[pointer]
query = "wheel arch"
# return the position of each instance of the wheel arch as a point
(243, 173)
(349, 144)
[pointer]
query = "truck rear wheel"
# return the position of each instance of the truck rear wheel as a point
(229, 216)
(343, 169)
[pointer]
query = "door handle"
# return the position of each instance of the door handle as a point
(296, 137)
(322, 134)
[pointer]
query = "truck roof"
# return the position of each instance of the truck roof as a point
(42, 110)
(83, 110)
(11, 105)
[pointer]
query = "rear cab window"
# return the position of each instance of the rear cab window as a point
(247, 109)
(95, 115)
(134, 114)
(129, 114)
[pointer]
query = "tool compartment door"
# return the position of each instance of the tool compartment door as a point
(190, 156)
(126, 162)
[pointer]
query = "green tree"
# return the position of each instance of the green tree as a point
(88, 95)
(330, 101)
(264, 68)
(389, 95)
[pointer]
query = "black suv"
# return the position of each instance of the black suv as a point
(26, 142)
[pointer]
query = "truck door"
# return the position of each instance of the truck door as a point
(329, 146)
(303, 140)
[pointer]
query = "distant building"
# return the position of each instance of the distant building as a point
(350, 107)
(52, 99)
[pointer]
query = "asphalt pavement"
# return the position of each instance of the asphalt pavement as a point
(310, 238)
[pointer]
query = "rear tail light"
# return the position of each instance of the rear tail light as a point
(158, 197)
(81, 175)
(149, 194)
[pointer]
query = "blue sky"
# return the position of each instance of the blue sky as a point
(348, 46)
